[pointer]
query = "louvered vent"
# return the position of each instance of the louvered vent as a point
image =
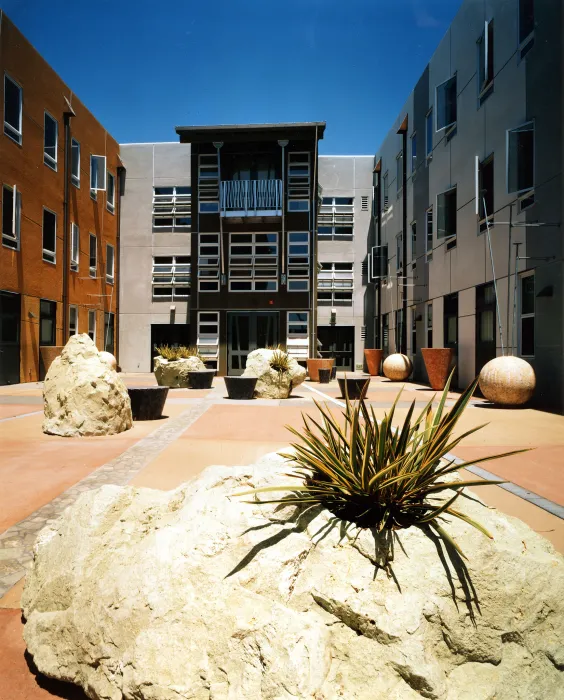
(364, 268)
(363, 333)
(364, 202)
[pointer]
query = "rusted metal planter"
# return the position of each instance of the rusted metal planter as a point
(314, 365)
(373, 361)
(437, 363)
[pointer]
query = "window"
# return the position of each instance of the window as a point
(109, 332)
(13, 98)
(75, 163)
(49, 235)
(299, 181)
(429, 134)
(97, 173)
(208, 262)
(171, 277)
(208, 335)
(446, 214)
(336, 217)
(413, 152)
(93, 255)
(445, 104)
(526, 25)
(520, 144)
(385, 190)
(429, 325)
(414, 241)
(527, 308)
(298, 261)
(399, 252)
(486, 61)
(208, 183)
(485, 192)
(111, 193)
(297, 342)
(11, 217)
(413, 331)
(73, 320)
(172, 207)
(378, 262)
(110, 263)
(253, 262)
(399, 172)
(92, 325)
(429, 229)
(47, 322)
(335, 284)
(75, 247)
(50, 137)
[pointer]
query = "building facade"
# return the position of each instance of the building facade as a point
(60, 209)
(281, 274)
(469, 198)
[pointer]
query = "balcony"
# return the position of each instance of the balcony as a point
(251, 198)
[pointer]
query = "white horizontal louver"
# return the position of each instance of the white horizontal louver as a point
(363, 333)
(364, 202)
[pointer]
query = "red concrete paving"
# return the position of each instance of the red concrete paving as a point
(10, 410)
(17, 680)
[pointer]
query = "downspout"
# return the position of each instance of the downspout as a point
(67, 115)
(120, 177)
(313, 291)
(403, 340)
(379, 244)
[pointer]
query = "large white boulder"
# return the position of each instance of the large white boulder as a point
(272, 384)
(194, 593)
(83, 395)
(174, 373)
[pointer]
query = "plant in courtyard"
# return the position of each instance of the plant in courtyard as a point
(376, 476)
(280, 361)
(179, 352)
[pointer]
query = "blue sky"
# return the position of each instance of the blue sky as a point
(144, 67)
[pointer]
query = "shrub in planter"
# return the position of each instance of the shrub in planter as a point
(277, 373)
(172, 365)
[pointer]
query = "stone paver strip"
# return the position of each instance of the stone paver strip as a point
(16, 543)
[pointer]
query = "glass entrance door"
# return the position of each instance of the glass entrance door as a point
(485, 325)
(9, 338)
(248, 331)
(338, 342)
(450, 319)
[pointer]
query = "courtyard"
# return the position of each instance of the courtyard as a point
(41, 475)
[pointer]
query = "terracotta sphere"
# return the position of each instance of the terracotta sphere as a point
(397, 367)
(508, 380)
(109, 359)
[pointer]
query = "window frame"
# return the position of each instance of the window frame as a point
(299, 263)
(520, 192)
(333, 276)
(12, 240)
(75, 148)
(429, 323)
(92, 268)
(399, 252)
(485, 46)
(399, 172)
(16, 135)
(523, 276)
(259, 272)
(74, 247)
(92, 327)
(413, 240)
(170, 282)
(73, 308)
(413, 141)
(336, 216)
(48, 160)
(526, 43)
(447, 127)
(429, 120)
(95, 180)
(448, 237)
(208, 340)
(45, 251)
(175, 206)
(110, 277)
(110, 204)
(429, 215)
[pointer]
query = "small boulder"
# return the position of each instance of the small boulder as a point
(271, 383)
(83, 395)
(174, 373)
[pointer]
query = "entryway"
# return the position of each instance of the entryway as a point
(248, 331)
(9, 338)
(485, 325)
(338, 342)
(450, 322)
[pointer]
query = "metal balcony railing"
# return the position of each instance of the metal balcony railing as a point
(251, 198)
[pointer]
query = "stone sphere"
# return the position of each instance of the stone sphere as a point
(508, 380)
(397, 367)
(109, 359)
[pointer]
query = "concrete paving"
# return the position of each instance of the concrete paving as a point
(42, 474)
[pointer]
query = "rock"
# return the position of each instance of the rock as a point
(507, 380)
(397, 367)
(194, 593)
(83, 395)
(174, 373)
(272, 384)
(109, 359)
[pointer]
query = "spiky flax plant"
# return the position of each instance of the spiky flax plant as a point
(380, 477)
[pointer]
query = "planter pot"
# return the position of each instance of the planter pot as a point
(313, 365)
(147, 402)
(373, 361)
(437, 363)
(334, 372)
(201, 378)
(509, 381)
(354, 387)
(397, 367)
(240, 388)
(324, 375)
(48, 354)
